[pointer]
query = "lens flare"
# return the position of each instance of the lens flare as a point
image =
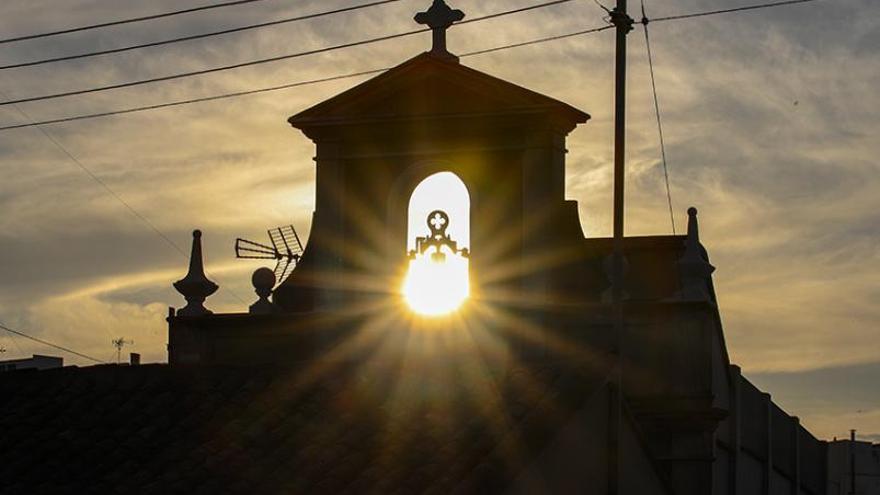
(436, 283)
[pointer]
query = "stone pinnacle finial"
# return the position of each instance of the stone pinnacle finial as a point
(693, 228)
(439, 17)
(694, 268)
(195, 286)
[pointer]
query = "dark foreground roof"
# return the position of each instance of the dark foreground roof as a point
(320, 428)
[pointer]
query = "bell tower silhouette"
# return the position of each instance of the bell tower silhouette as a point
(377, 141)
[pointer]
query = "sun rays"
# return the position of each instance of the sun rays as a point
(443, 339)
(437, 279)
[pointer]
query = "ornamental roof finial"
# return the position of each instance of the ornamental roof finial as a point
(439, 17)
(695, 270)
(263, 280)
(195, 286)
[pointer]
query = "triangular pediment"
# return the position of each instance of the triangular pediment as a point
(426, 86)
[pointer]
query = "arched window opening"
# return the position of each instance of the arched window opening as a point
(438, 243)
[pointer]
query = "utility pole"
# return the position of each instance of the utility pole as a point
(623, 24)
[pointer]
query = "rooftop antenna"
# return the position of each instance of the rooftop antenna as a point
(119, 344)
(286, 250)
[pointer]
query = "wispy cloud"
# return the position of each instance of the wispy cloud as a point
(770, 123)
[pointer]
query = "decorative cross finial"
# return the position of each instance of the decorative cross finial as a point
(437, 221)
(195, 286)
(439, 17)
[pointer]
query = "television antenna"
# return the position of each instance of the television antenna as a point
(286, 250)
(119, 344)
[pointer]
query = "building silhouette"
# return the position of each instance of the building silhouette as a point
(35, 362)
(331, 384)
(853, 467)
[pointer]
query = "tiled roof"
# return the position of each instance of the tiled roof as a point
(380, 428)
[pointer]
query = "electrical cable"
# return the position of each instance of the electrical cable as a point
(194, 36)
(113, 193)
(533, 42)
(103, 114)
(727, 11)
(12, 339)
(50, 344)
(285, 86)
(270, 59)
(644, 23)
(362, 73)
(127, 21)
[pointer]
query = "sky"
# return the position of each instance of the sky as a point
(769, 120)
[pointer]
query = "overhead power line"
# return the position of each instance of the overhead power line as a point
(645, 21)
(111, 192)
(99, 181)
(728, 11)
(289, 85)
(194, 100)
(659, 122)
(128, 21)
(211, 70)
(50, 344)
(534, 42)
(15, 343)
(361, 73)
(195, 36)
(270, 59)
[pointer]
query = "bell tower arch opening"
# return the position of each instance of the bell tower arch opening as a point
(437, 278)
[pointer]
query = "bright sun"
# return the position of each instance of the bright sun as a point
(437, 280)
(434, 288)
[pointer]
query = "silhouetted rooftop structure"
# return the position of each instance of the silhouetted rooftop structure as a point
(37, 362)
(397, 427)
(334, 385)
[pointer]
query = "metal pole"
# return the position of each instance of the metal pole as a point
(624, 24)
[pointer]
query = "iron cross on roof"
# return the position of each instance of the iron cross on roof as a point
(439, 17)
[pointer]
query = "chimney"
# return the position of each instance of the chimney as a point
(134, 359)
(852, 462)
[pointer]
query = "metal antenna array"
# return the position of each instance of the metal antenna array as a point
(286, 250)
(119, 344)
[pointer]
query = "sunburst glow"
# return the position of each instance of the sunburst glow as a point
(436, 287)
(437, 278)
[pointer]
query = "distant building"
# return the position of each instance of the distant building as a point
(853, 463)
(37, 362)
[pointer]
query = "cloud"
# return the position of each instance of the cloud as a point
(128, 305)
(769, 117)
(830, 401)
